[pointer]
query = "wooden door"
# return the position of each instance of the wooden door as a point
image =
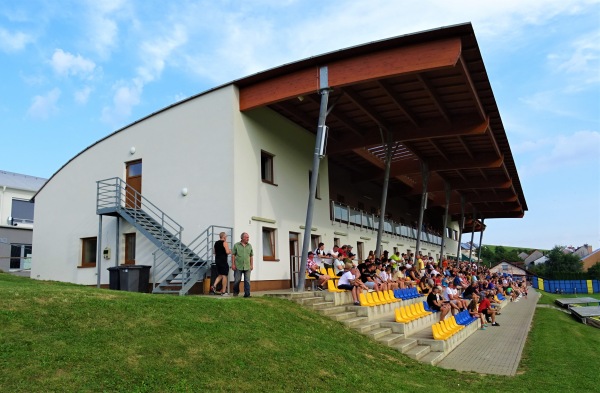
(133, 179)
(130, 248)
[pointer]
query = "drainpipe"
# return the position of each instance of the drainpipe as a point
(445, 222)
(425, 176)
(460, 227)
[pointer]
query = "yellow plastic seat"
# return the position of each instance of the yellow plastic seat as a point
(437, 332)
(372, 300)
(362, 299)
(408, 313)
(391, 296)
(446, 332)
(449, 327)
(399, 317)
(384, 296)
(332, 287)
(376, 298)
(455, 326)
(331, 274)
(415, 311)
(421, 308)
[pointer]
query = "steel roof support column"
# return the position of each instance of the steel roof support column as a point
(99, 249)
(384, 191)
(480, 240)
(444, 231)
(472, 234)
(318, 154)
(425, 175)
(461, 225)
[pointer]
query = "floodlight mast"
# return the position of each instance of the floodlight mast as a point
(319, 153)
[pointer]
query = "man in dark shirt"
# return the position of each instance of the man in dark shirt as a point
(434, 300)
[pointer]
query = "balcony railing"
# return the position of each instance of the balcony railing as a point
(351, 216)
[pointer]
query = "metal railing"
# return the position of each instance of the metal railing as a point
(345, 214)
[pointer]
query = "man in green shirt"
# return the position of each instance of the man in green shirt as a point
(242, 262)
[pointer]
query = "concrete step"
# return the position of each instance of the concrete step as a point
(308, 300)
(379, 332)
(343, 315)
(418, 352)
(352, 322)
(367, 326)
(320, 305)
(405, 345)
(390, 339)
(433, 358)
(332, 310)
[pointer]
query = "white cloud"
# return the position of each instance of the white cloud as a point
(81, 96)
(13, 42)
(580, 61)
(155, 53)
(103, 29)
(579, 148)
(45, 105)
(65, 63)
(127, 95)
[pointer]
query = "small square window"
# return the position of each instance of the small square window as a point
(266, 167)
(89, 250)
(268, 238)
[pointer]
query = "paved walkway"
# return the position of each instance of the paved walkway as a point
(498, 349)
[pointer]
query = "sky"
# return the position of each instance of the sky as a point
(73, 72)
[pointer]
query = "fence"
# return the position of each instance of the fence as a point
(566, 286)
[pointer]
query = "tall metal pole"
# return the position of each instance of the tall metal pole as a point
(99, 250)
(386, 179)
(319, 149)
(425, 176)
(472, 234)
(480, 240)
(117, 241)
(461, 225)
(445, 222)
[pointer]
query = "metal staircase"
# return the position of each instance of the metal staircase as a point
(176, 266)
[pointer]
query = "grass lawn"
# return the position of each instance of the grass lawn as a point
(57, 337)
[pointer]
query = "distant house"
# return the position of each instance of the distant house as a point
(591, 259)
(540, 261)
(508, 268)
(523, 255)
(16, 218)
(532, 257)
(583, 251)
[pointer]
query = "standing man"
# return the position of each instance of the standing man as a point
(242, 261)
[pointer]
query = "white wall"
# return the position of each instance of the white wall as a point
(189, 145)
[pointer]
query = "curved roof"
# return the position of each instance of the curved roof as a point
(429, 94)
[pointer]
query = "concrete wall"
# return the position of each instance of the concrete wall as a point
(189, 145)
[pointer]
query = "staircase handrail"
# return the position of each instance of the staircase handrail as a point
(115, 193)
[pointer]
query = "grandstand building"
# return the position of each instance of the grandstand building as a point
(414, 113)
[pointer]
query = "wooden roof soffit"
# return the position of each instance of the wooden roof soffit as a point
(344, 72)
(372, 137)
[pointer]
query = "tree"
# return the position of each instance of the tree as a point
(558, 262)
(594, 271)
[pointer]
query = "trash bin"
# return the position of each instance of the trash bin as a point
(134, 278)
(113, 281)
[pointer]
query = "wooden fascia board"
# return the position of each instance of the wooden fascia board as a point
(388, 63)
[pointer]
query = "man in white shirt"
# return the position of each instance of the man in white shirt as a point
(349, 282)
(451, 296)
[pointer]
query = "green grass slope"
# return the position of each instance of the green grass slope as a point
(57, 337)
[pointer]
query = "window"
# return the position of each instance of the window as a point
(22, 211)
(18, 254)
(336, 241)
(314, 241)
(130, 248)
(318, 191)
(266, 167)
(268, 239)
(89, 251)
(360, 250)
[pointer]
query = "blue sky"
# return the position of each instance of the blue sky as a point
(74, 71)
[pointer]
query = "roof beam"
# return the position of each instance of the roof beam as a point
(387, 63)
(434, 97)
(430, 131)
(472, 90)
(397, 101)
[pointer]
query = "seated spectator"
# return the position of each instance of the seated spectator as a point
(470, 290)
(451, 296)
(485, 307)
(473, 310)
(349, 282)
(312, 268)
(434, 300)
(386, 277)
(424, 286)
(338, 267)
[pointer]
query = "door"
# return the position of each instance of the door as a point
(133, 192)
(130, 248)
(294, 258)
